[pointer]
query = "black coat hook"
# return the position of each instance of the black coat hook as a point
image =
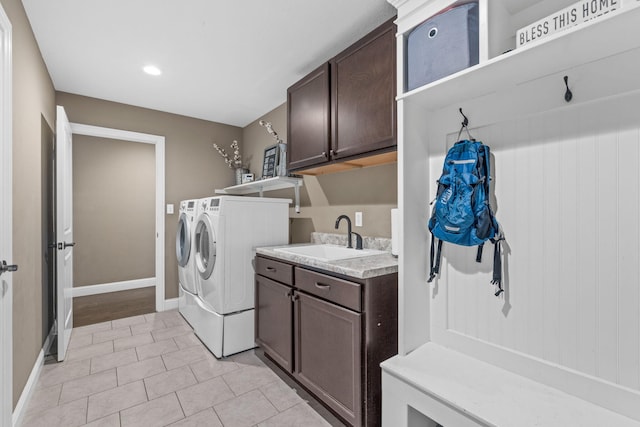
(465, 122)
(567, 95)
(465, 126)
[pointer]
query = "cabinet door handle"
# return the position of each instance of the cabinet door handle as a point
(323, 286)
(324, 154)
(271, 269)
(332, 153)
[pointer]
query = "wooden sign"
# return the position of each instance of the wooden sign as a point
(576, 14)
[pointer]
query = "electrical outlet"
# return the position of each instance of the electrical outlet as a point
(358, 219)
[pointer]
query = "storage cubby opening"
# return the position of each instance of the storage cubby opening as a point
(416, 418)
(498, 25)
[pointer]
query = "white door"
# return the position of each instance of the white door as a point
(6, 297)
(64, 231)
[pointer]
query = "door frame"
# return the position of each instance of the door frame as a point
(158, 142)
(6, 219)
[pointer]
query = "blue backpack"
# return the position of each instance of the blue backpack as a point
(462, 213)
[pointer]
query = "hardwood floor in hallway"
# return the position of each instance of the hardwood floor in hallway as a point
(91, 309)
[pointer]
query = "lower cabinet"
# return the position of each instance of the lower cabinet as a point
(274, 327)
(329, 333)
(328, 354)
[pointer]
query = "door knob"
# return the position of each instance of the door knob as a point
(8, 268)
(64, 245)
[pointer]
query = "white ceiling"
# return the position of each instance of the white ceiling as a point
(228, 62)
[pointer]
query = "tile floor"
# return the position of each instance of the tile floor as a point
(151, 370)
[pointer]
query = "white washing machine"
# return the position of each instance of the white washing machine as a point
(227, 231)
(185, 253)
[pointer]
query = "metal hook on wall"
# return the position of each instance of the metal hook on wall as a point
(465, 122)
(567, 95)
(465, 126)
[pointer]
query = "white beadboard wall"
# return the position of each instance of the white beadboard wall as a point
(566, 186)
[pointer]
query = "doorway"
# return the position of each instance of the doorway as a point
(116, 287)
(47, 145)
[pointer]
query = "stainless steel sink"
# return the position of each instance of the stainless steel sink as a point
(328, 252)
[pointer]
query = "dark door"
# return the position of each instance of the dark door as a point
(328, 354)
(274, 318)
(363, 90)
(308, 120)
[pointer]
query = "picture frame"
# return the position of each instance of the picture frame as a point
(270, 161)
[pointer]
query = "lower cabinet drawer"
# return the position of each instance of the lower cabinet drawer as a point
(342, 292)
(275, 270)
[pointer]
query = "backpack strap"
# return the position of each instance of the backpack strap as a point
(479, 254)
(497, 265)
(432, 274)
(434, 258)
(497, 260)
(438, 257)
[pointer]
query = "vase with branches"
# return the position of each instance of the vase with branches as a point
(234, 162)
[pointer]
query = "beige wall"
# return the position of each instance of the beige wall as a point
(33, 98)
(193, 169)
(372, 191)
(113, 210)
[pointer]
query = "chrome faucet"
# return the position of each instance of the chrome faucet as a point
(349, 232)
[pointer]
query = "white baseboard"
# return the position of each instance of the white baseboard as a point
(104, 288)
(171, 304)
(27, 392)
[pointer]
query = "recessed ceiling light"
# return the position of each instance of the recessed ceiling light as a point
(152, 70)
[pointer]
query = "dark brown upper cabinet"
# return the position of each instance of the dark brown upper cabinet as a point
(346, 110)
(308, 120)
(363, 88)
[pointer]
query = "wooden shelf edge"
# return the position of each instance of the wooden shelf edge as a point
(359, 163)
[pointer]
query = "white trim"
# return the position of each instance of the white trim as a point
(160, 295)
(6, 220)
(27, 392)
(103, 288)
(170, 304)
(110, 133)
(28, 389)
(158, 142)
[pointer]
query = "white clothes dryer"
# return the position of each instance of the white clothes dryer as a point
(227, 231)
(185, 254)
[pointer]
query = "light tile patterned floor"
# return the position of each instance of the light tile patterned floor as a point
(151, 370)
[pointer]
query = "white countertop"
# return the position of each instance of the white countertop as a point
(360, 268)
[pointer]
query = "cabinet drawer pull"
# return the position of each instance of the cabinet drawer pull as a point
(323, 286)
(271, 269)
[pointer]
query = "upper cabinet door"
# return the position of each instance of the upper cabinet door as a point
(308, 120)
(363, 90)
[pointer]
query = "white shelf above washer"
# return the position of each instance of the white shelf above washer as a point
(269, 184)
